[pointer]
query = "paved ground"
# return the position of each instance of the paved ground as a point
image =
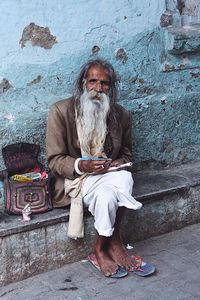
(176, 255)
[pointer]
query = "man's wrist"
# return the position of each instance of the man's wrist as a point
(76, 167)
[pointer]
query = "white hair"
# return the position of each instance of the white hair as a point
(91, 122)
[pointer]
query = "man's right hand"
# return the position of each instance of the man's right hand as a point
(95, 166)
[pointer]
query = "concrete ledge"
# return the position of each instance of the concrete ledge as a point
(11, 224)
(171, 201)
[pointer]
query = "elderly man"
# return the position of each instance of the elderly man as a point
(86, 136)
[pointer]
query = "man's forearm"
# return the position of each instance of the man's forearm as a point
(62, 165)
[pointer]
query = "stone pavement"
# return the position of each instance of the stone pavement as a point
(176, 255)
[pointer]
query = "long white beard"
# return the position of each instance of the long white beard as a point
(91, 122)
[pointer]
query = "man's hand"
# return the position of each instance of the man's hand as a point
(117, 162)
(95, 166)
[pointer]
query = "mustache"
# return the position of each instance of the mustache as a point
(96, 95)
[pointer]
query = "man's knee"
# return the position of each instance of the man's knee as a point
(124, 181)
(106, 196)
(127, 176)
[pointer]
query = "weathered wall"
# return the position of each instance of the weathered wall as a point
(43, 45)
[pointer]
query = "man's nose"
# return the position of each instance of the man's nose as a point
(98, 87)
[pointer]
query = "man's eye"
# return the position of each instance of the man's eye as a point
(105, 83)
(92, 81)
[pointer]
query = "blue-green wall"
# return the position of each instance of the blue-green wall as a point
(158, 85)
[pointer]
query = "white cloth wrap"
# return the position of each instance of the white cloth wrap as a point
(73, 188)
(103, 194)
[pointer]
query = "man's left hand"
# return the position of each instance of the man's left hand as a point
(117, 162)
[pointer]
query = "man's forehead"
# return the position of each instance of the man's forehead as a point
(96, 71)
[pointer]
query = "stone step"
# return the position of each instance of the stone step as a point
(170, 200)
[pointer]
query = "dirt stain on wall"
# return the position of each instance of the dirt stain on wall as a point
(35, 81)
(4, 85)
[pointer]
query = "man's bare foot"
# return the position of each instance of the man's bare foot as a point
(119, 254)
(107, 265)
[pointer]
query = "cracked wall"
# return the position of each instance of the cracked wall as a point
(160, 88)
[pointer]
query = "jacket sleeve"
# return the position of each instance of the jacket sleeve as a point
(126, 146)
(58, 158)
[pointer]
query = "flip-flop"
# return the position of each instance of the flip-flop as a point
(142, 268)
(120, 273)
(145, 269)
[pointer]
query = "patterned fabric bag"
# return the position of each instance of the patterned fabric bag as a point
(20, 159)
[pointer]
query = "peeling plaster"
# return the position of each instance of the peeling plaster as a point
(166, 19)
(180, 6)
(191, 7)
(195, 75)
(39, 36)
(174, 68)
(121, 55)
(35, 81)
(95, 49)
(4, 85)
(163, 100)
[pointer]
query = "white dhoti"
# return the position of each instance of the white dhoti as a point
(104, 193)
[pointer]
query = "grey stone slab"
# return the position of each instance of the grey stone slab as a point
(11, 224)
(169, 179)
(157, 184)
